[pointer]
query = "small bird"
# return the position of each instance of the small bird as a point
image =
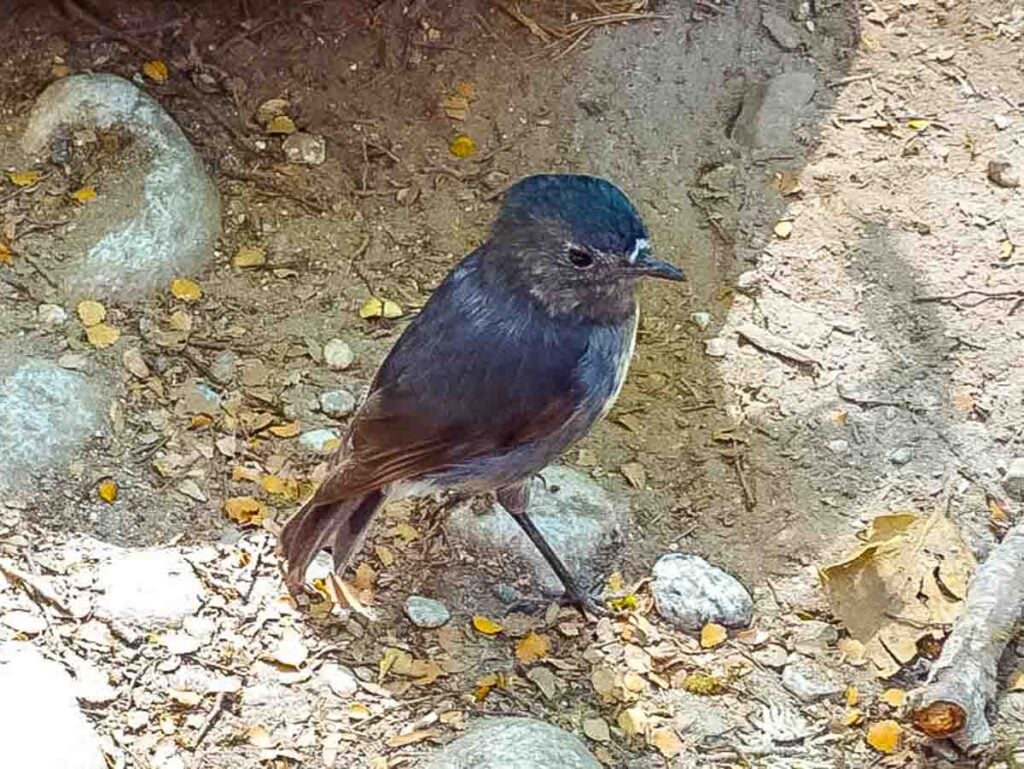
(520, 350)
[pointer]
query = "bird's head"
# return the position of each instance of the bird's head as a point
(575, 243)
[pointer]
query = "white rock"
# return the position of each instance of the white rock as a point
(339, 680)
(701, 319)
(576, 516)
(772, 110)
(809, 682)
(51, 314)
(181, 643)
(317, 440)
(23, 622)
(1013, 482)
(153, 587)
(41, 723)
(426, 612)
(689, 592)
(514, 743)
(308, 149)
(46, 414)
(173, 229)
(337, 403)
(338, 355)
(813, 636)
(771, 656)
(716, 347)
(92, 685)
(1002, 122)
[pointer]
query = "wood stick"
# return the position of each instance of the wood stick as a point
(962, 682)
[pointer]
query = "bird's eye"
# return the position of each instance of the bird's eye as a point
(580, 258)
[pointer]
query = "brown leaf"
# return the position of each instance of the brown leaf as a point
(531, 647)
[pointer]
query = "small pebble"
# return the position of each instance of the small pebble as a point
(51, 314)
(338, 355)
(689, 592)
(839, 446)
(901, 456)
(749, 282)
(771, 656)
(1013, 482)
(317, 439)
(809, 682)
(337, 403)
(222, 369)
(339, 680)
(701, 319)
(1002, 122)
(812, 636)
(715, 348)
(1002, 174)
(307, 149)
(425, 612)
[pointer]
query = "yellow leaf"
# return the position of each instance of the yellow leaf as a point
(884, 736)
(60, 70)
(486, 625)
(282, 124)
(462, 146)
(703, 684)
(155, 70)
(85, 194)
(380, 308)
(531, 647)
(783, 229)
(996, 513)
(1017, 681)
(852, 696)
(199, 421)
(245, 511)
(852, 717)
(400, 740)
(894, 698)
(1006, 249)
(249, 256)
(288, 430)
(788, 183)
(667, 742)
(918, 124)
(5, 254)
(392, 310)
(259, 737)
(180, 321)
(615, 582)
(405, 532)
(357, 711)
(186, 290)
(963, 402)
(365, 576)
(107, 490)
(101, 335)
(185, 697)
(23, 178)
(466, 89)
(488, 682)
(633, 721)
(384, 555)
(91, 313)
(712, 635)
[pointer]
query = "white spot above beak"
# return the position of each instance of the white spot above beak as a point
(642, 244)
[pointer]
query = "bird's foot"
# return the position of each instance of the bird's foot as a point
(588, 604)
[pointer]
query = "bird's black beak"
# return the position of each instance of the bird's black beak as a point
(645, 264)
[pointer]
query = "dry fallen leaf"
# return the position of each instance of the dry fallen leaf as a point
(259, 737)
(400, 740)
(488, 682)
(1017, 681)
(462, 146)
(963, 401)
(531, 647)
(384, 555)
(667, 742)
(186, 290)
(5, 254)
(185, 698)
(597, 729)
(783, 229)
(23, 178)
(788, 183)
(155, 70)
(245, 511)
(91, 312)
(1006, 249)
(365, 576)
(282, 124)
(712, 635)
(486, 625)
(107, 490)
(917, 563)
(288, 430)
(633, 721)
(918, 124)
(249, 256)
(357, 711)
(380, 308)
(996, 512)
(853, 717)
(893, 697)
(884, 736)
(101, 335)
(852, 696)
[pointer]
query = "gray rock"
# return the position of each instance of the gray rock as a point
(47, 413)
(781, 31)
(716, 347)
(338, 355)
(813, 636)
(172, 231)
(772, 110)
(152, 587)
(339, 679)
(771, 656)
(701, 319)
(514, 743)
(809, 682)
(51, 314)
(689, 592)
(316, 440)
(224, 366)
(839, 446)
(1003, 174)
(1013, 481)
(901, 456)
(337, 403)
(575, 515)
(426, 612)
(37, 703)
(307, 149)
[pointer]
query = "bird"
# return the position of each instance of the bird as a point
(519, 351)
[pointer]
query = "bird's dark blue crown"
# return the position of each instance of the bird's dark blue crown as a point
(596, 211)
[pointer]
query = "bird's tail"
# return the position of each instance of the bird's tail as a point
(310, 530)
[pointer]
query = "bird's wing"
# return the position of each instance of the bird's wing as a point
(462, 382)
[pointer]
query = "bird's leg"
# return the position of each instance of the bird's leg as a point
(515, 500)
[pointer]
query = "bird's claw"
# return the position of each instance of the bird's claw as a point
(589, 606)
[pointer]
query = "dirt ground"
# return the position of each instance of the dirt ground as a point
(764, 465)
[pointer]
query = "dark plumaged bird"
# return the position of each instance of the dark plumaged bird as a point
(519, 351)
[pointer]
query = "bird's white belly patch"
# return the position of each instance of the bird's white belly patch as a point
(623, 364)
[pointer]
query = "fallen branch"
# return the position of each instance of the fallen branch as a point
(962, 682)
